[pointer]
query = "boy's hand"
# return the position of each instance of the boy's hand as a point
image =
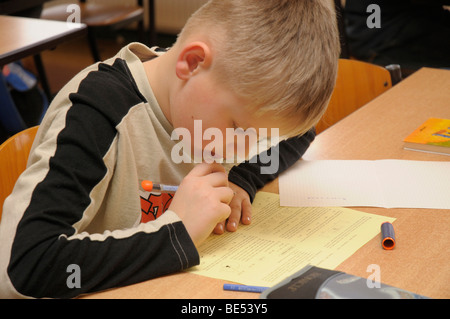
(202, 200)
(241, 210)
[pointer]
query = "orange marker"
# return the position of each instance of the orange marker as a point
(387, 236)
(150, 186)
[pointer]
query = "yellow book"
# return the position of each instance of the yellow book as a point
(433, 136)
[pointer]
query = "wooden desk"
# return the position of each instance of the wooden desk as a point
(21, 37)
(420, 261)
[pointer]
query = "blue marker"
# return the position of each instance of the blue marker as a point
(244, 288)
(387, 236)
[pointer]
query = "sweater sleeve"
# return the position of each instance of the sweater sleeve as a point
(44, 247)
(251, 176)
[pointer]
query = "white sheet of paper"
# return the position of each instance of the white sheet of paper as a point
(381, 183)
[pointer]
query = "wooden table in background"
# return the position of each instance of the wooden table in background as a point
(22, 37)
(420, 261)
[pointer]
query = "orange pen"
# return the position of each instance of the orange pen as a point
(150, 186)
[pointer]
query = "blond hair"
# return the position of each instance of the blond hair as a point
(280, 54)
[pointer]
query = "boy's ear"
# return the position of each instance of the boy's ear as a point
(193, 56)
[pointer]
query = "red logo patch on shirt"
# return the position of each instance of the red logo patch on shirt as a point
(154, 205)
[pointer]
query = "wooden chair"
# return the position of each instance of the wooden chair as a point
(357, 83)
(98, 15)
(13, 160)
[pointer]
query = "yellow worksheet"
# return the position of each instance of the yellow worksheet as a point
(282, 240)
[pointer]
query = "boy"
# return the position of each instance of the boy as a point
(237, 63)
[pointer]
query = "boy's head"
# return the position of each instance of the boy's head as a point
(278, 56)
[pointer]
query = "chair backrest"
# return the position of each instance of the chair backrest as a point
(13, 160)
(357, 84)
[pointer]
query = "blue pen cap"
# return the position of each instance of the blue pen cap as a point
(387, 236)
